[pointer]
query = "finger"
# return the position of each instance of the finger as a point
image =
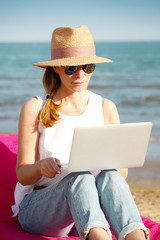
(48, 171)
(55, 166)
(58, 162)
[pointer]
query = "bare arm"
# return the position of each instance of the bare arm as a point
(111, 116)
(28, 170)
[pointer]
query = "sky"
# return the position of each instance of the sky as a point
(108, 20)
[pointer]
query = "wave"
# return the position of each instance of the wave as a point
(154, 139)
(131, 103)
(9, 118)
(140, 101)
(9, 103)
(153, 86)
(11, 78)
(117, 86)
(99, 87)
(150, 99)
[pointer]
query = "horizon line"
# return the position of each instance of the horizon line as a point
(96, 41)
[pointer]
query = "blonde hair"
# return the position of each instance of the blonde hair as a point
(49, 114)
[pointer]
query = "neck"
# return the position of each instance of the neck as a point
(73, 104)
(74, 98)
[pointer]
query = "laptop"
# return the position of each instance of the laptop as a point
(109, 146)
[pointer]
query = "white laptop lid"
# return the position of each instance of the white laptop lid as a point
(109, 146)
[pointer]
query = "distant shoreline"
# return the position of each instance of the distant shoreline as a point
(150, 169)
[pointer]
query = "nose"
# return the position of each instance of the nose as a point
(80, 72)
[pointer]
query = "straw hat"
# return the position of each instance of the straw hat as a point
(71, 47)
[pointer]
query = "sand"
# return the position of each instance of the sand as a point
(145, 187)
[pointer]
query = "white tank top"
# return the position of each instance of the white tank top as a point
(56, 141)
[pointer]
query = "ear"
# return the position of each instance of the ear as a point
(56, 69)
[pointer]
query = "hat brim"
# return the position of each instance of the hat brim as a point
(72, 61)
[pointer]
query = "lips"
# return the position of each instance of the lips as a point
(78, 83)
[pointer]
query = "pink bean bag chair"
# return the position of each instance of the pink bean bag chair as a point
(10, 228)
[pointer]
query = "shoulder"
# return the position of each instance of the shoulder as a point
(31, 107)
(110, 112)
(108, 105)
(30, 111)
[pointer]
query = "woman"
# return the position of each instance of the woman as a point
(50, 201)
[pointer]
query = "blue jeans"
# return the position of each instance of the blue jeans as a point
(82, 200)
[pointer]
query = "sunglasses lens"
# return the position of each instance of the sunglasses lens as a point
(89, 68)
(70, 70)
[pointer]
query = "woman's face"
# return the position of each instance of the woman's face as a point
(73, 83)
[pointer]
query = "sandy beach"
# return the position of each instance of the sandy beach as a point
(145, 187)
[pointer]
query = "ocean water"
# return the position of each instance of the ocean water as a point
(132, 82)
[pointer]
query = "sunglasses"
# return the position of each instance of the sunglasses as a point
(87, 68)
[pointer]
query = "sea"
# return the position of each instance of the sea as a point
(131, 81)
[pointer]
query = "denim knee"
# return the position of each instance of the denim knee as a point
(109, 179)
(81, 180)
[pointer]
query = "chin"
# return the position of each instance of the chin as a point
(80, 89)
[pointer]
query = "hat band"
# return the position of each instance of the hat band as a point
(57, 53)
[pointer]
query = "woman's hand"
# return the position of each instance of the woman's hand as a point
(49, 167)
